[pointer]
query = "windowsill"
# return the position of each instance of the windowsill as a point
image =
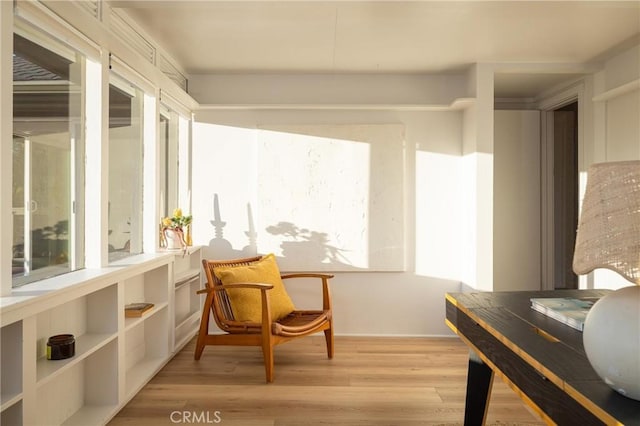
(39, 275)
(190, 249)
(44, 290)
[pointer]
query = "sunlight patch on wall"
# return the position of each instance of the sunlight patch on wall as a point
(584, 281)
(438, 215)
(223, 190)
(475, 259)
(314, 199)
(321, 197)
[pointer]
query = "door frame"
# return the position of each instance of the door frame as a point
(573, 93)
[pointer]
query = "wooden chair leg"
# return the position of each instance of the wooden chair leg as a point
(204, 326)
(328, 337)
(267, 352)
(267, 337)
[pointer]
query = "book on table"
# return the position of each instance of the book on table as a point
(134, 310)
(571, 311)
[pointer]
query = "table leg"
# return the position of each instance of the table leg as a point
(479, 380)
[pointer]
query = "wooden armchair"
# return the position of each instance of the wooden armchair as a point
(268, 332)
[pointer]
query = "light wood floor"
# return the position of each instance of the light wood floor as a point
(370, 381)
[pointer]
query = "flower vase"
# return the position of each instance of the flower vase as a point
(174, 239)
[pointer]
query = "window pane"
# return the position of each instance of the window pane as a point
(125, 169)
(18, 266)
(48, 149)
(163, 142)
(168, 145)
(172, 163)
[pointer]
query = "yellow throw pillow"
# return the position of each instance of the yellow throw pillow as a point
(245, 302)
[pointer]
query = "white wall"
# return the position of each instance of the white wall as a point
(370, 303)
(623, 128)
(477, 150)
(618, 125)
(320, 89)
(516, 189)
(621, 139)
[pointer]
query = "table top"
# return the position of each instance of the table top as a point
(552, 348)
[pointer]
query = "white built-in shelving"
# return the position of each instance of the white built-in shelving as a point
(187, 281)
(114, 356)
(11, 374)
(146, 339)
(147, 347)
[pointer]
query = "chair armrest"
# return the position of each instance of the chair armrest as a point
(326, 293)
(306, 275)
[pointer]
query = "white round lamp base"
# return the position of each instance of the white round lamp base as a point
(612, 340)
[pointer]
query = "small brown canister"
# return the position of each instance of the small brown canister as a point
(61, 346)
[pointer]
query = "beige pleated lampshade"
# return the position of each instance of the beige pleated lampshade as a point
(609, 227)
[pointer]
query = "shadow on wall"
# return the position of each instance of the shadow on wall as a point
(297, 242)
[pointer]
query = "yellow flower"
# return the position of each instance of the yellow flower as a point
(177, 221)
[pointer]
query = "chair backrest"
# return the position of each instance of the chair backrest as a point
(221, 307)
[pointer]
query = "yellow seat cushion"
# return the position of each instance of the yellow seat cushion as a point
(245, 302)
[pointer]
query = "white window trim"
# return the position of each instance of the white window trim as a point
(36, 15)
(150, 168)
(50, 40)
(6, 149)
(125, 72)
(97, 161)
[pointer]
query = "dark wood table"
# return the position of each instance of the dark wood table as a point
(540, 358)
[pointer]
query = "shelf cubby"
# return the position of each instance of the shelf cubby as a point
(87, 392)
(11, 358)
(150, 287)
(186, 330)
(146, 349)
(186, 299)
(12, 414)
(133, 322)
(92, 319)
(186, 303)
(186, 276)
(188, 265)
(85, 345)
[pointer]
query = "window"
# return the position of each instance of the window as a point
(48, 153)
(168, 146)
(125, 168)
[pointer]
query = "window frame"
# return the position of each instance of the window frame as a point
(103, 51)
(136, 234)
(76, 146)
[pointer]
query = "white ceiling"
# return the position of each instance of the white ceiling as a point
(297, 36)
